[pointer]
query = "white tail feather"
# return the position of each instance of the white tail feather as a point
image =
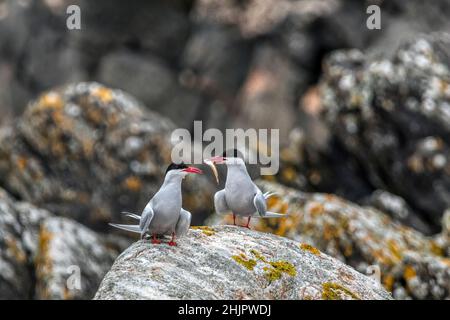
(270, 214)
(132, 215)
(127, 227)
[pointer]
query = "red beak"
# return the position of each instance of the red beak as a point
(217, 159)
(193, 170)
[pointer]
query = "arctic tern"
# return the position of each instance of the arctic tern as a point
(163, 215)
(241, 196)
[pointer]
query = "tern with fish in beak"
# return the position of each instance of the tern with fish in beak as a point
(240, 196)
(163, 215)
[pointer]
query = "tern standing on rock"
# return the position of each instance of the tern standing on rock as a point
(163, 215)
(240, 195)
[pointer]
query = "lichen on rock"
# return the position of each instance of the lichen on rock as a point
(411, 265)
(236, 263)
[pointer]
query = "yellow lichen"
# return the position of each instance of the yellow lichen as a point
(258, 255)
(273, 269)
(133, 183)
(247, 263)
(335, 291)
(277, 268)
(310, 248)
(205, 230)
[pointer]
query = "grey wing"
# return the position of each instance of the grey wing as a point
(146, 218)
(260, 203)
(183, 224)
(261, 207)
(220, 203)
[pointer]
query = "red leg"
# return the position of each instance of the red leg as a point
(248, 223)
(154, 240)
(234, 219)
(172, 242)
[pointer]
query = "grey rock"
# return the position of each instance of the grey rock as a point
(398, 209)
(146, 77)
(88, 152)
(407, 263)
(71, 260)
(233, 263)
(41, 255)
(269, 92)
(152, 81)
(19, 229)
(393, 117)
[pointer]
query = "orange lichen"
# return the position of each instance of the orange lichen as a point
(310, 248)
(94, 115)
(22, 163)
(105, 95)
(409, 273)
(388, 282)
(51, 100)
(316, 208)
(289, 174)
(394, 249)
(133, 183)
(16, 252)
(43, 261)
(436, 249)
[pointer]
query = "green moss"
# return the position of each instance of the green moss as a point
(243, 260)
(334, 291)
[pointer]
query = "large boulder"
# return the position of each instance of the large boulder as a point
(19, 230)
(227, 262)
(393, 117)
(87, 152)
(408, 264)
(71, 260)
(47, 257)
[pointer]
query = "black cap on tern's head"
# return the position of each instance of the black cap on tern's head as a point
(181, 166)
(176, 166)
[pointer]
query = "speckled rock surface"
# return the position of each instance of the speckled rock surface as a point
(393, 116)
(410, 264)
(39, 253)
(87, 152)
(19, 228)
(226, 262)
(71, 260)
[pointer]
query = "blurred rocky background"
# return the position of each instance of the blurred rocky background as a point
(86, 117)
